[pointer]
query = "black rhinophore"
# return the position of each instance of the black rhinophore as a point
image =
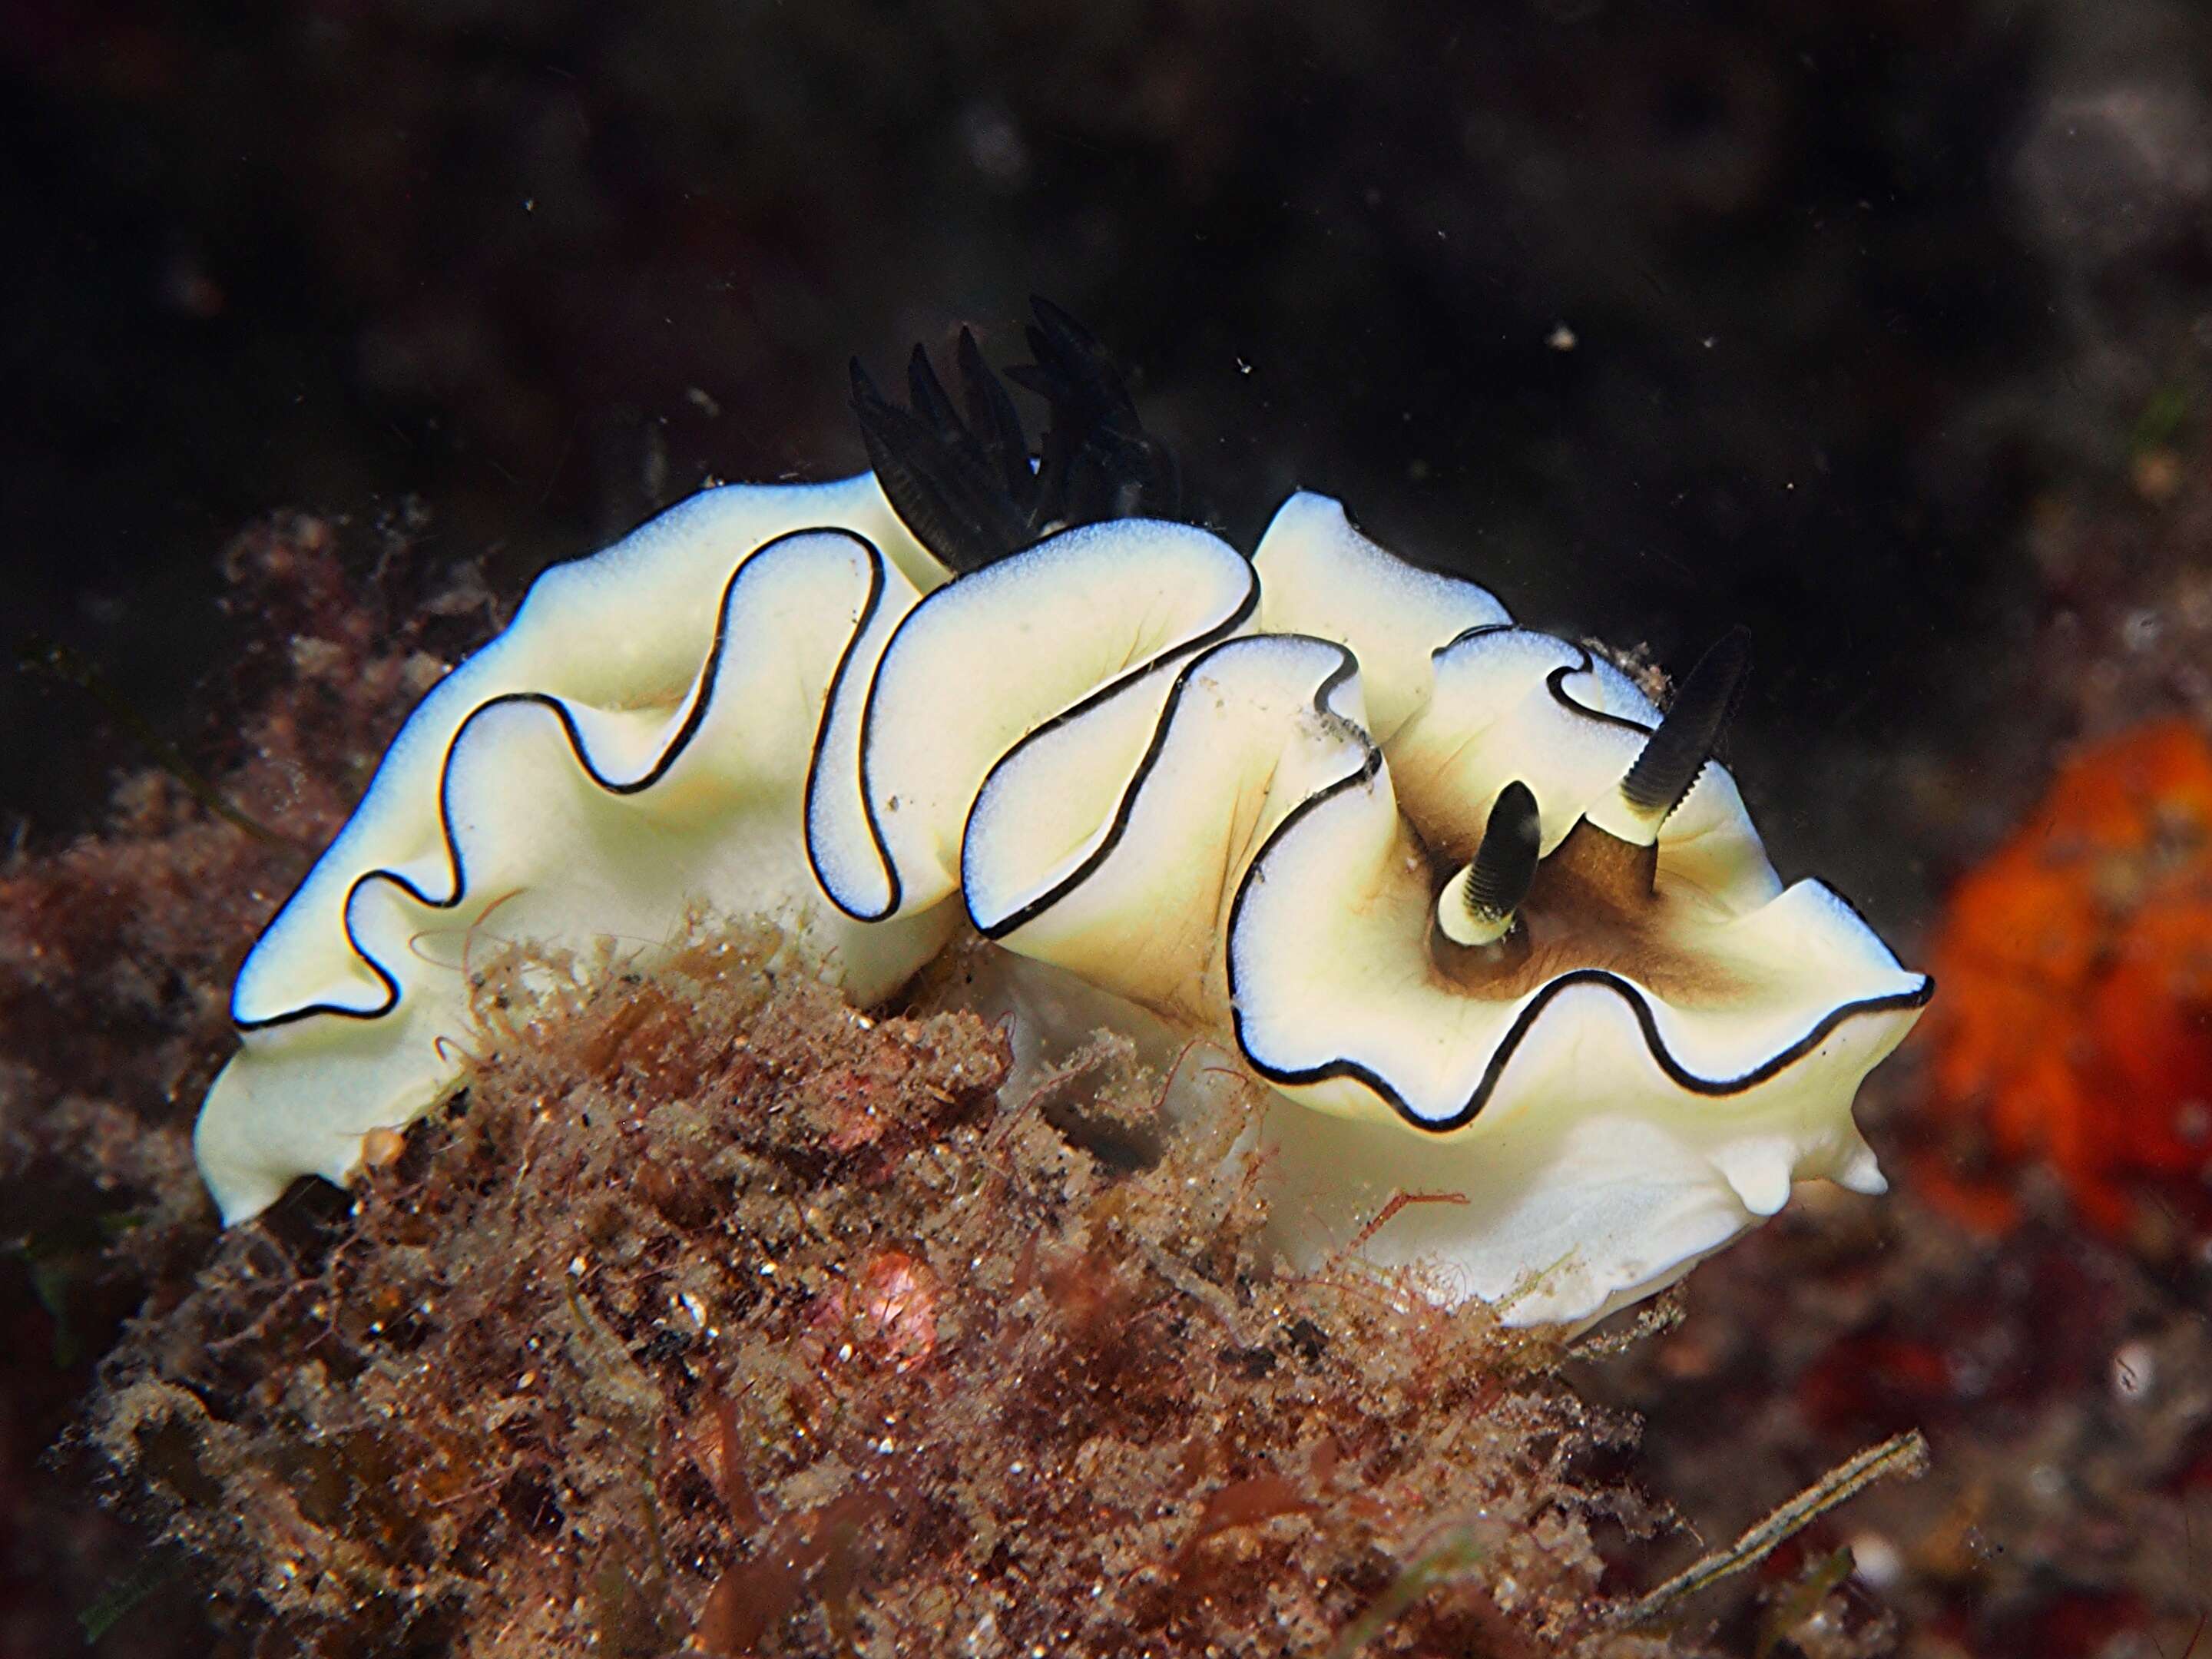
(1677, 752)
(1505, 864)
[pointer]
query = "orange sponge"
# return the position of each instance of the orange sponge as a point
(2077, 963)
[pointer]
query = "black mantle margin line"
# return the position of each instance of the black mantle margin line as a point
(694, 717)
(1213, 635)
(1119, 825)
(1371, 765)
(1494, 1070)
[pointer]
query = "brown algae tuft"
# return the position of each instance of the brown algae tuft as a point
(715, 1311)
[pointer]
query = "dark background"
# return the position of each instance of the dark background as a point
(1881, 325)
(1848, 285)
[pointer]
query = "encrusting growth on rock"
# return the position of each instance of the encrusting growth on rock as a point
(716, 1312)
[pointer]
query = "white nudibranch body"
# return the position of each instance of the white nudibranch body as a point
(1243, 794)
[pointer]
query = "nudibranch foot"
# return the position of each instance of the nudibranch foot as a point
(1561, 1224)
